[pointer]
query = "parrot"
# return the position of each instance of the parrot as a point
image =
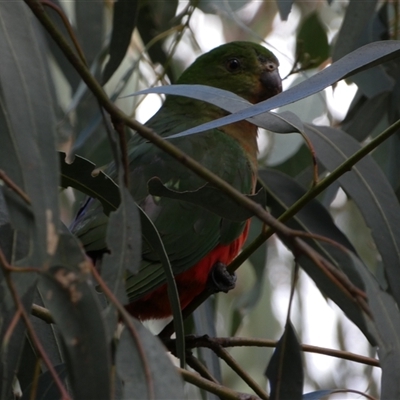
(199, 243)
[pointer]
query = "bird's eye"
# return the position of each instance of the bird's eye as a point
(233, 64)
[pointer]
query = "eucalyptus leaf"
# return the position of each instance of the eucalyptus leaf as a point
(285, 369)
(145, 368)
(359, 60)
(79, 175)
(124, 22)
(76, 311)
(369, 188)
(284, 7)
(285, 122)
(283, 192)
(355, 21)
(124, 242)
(387, 322)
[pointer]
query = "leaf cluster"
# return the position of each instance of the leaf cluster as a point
(60, 320)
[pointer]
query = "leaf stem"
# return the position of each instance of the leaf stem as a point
(221, 391)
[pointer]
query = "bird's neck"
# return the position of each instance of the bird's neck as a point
(243, 131)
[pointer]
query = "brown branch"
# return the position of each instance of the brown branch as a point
(206, 341)
(31, 330)
(233, 364)
(219, 390)
(13, 186)
(68, 27)
(199, 367)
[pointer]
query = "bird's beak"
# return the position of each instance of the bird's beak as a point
(270, 79)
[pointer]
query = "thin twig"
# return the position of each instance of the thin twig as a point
(199, 367)
(221, 391)
(42, 313)
(68, 27)
(13, 186)
(204, 341)
(236, 367)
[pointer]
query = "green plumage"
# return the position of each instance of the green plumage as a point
(189, 232)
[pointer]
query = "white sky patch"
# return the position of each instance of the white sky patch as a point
(340, 98)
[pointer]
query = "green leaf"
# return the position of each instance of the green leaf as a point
(387, 322)
(145, 368)
(284, 191)
(284, 7)
(29, 119)
(284, 122)
(370, 190)
(312, 47)
(74, 305)
(90, 35)
(153, 239)
(285, 369)
(154, 18)
(124, 237)
(355, 21)
(79, 175)
(365, 115)
(124, 242)
(218, 7)
(359, 60)
(123, 25)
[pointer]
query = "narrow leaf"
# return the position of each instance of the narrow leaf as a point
(368, 187)
(124, 22)
(387, 322)
(26, 99)
(79, 175)
(285, 369)
(145, 368)
(74, 306)
(283, 192)
(361, 59)
(285, 122)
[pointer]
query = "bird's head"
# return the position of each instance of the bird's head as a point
(244, 68)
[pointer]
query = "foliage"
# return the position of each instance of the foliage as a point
(60, 319)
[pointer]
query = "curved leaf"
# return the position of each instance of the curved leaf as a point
(28, 116)
(361, 59)
(284, 191)
(145, 368)
(285, 369)
(369, 188)
(387, 323)
(74, 306)
(79, 175)
(284, 122)
(124, 22)
(355, 20)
